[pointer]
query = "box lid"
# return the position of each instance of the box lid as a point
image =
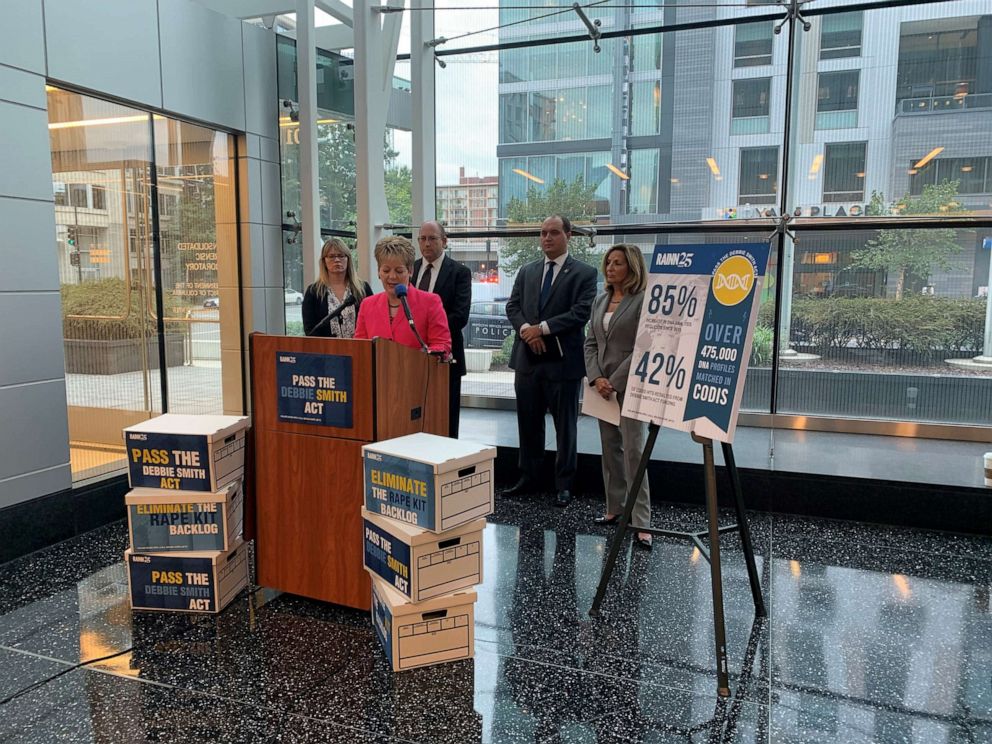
(414, 535)
(212, 427)
(217, 557)
(165, 496)
(400, 605)
(442, 453)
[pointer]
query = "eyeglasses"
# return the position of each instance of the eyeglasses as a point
(335, 258)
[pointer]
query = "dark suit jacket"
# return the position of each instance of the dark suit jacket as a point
(608, 352)
(566, 312)
(454, 287)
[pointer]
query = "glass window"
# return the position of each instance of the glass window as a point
(937, 58)
(837, 91)
(840, 35)
(103, 151)
(753, 44)
(751, 105)
(543, 109)
(77, 195)
(600, 111)
(99, 194)
(837, 100)
(974, 175)
(844, 172)
(758, 182)
(751, 97)
(513, 65)
(571, 116)
(642, 189)
(646, 52)
(513, 118)
(645, 108)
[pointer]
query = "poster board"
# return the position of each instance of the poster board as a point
(694, 338)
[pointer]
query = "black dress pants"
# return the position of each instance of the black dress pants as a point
(538, 392)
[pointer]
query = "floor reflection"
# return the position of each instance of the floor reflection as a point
(873, 636)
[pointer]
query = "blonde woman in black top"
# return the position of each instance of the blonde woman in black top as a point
(335, 284)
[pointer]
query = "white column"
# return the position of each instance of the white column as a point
(422, 84)
(376, 38)
(306, 81)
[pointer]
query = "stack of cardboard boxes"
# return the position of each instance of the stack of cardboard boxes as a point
(185, 512)
(426, 499)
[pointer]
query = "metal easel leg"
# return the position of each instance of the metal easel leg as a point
(745, 530)
(716, 579)
(620, 530)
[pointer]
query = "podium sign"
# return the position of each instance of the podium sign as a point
(314, 388)
(694, 338)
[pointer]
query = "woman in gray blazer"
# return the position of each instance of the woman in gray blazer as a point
(608, 348)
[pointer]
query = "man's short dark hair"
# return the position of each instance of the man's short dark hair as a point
(566, 224)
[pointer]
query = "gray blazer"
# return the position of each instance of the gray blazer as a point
(608, 352)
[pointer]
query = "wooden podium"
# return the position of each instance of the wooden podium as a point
(307, 478)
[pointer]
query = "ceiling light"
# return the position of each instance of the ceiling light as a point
(99, 122)
(617, 172)
(714, 169)
(763, 176)
(817, 163)
(860, 174)
(928, 157)
(966, 169)
(529, 176)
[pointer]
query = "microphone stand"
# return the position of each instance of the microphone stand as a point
(336, 313)
(409, 318)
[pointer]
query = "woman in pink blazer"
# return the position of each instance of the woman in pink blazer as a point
(381, 315)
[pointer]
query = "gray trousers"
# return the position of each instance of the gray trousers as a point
(622, 449)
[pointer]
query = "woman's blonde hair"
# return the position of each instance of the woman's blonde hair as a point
(395, 246)
(324, 282)
(637, 273)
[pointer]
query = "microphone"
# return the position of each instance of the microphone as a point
(336, 313)
(401, 293)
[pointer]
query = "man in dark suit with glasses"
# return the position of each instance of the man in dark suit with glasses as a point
(452, 282)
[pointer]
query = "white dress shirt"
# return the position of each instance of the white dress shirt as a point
(435, 270)
(557, 263)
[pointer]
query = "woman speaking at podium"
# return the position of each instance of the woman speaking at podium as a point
(384, 316)
(336, 286)
(608, 348)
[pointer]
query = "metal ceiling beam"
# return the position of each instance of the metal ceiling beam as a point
(338, 10)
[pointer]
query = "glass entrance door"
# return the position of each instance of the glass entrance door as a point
(146, 229)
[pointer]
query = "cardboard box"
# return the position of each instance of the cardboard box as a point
(415, 635)
(433, 482)
(180, 452)
(169, 521)
(421, 564)
(204, 581)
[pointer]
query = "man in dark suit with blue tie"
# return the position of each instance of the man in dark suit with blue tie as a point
(549, 308)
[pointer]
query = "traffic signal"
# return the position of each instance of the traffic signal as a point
(74, 258)
(70, 235)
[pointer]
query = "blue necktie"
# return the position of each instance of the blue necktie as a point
(549, 276)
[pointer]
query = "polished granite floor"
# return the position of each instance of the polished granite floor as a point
(874, 634)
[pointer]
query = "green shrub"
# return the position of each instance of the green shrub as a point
(761, 347)
(929, 326)
(501, 357)
(294, 327)
(123, 315)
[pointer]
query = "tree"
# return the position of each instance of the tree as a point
(574, 200)
(909, 254)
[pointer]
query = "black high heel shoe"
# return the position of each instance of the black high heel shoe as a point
(605, 521)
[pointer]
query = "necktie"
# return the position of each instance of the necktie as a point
(549, 276)
(425, 279)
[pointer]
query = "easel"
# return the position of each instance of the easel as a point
(712, 555)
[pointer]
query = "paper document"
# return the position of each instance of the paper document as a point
(595, 405)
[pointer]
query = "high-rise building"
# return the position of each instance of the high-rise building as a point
(472, 202)
(689, 125)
